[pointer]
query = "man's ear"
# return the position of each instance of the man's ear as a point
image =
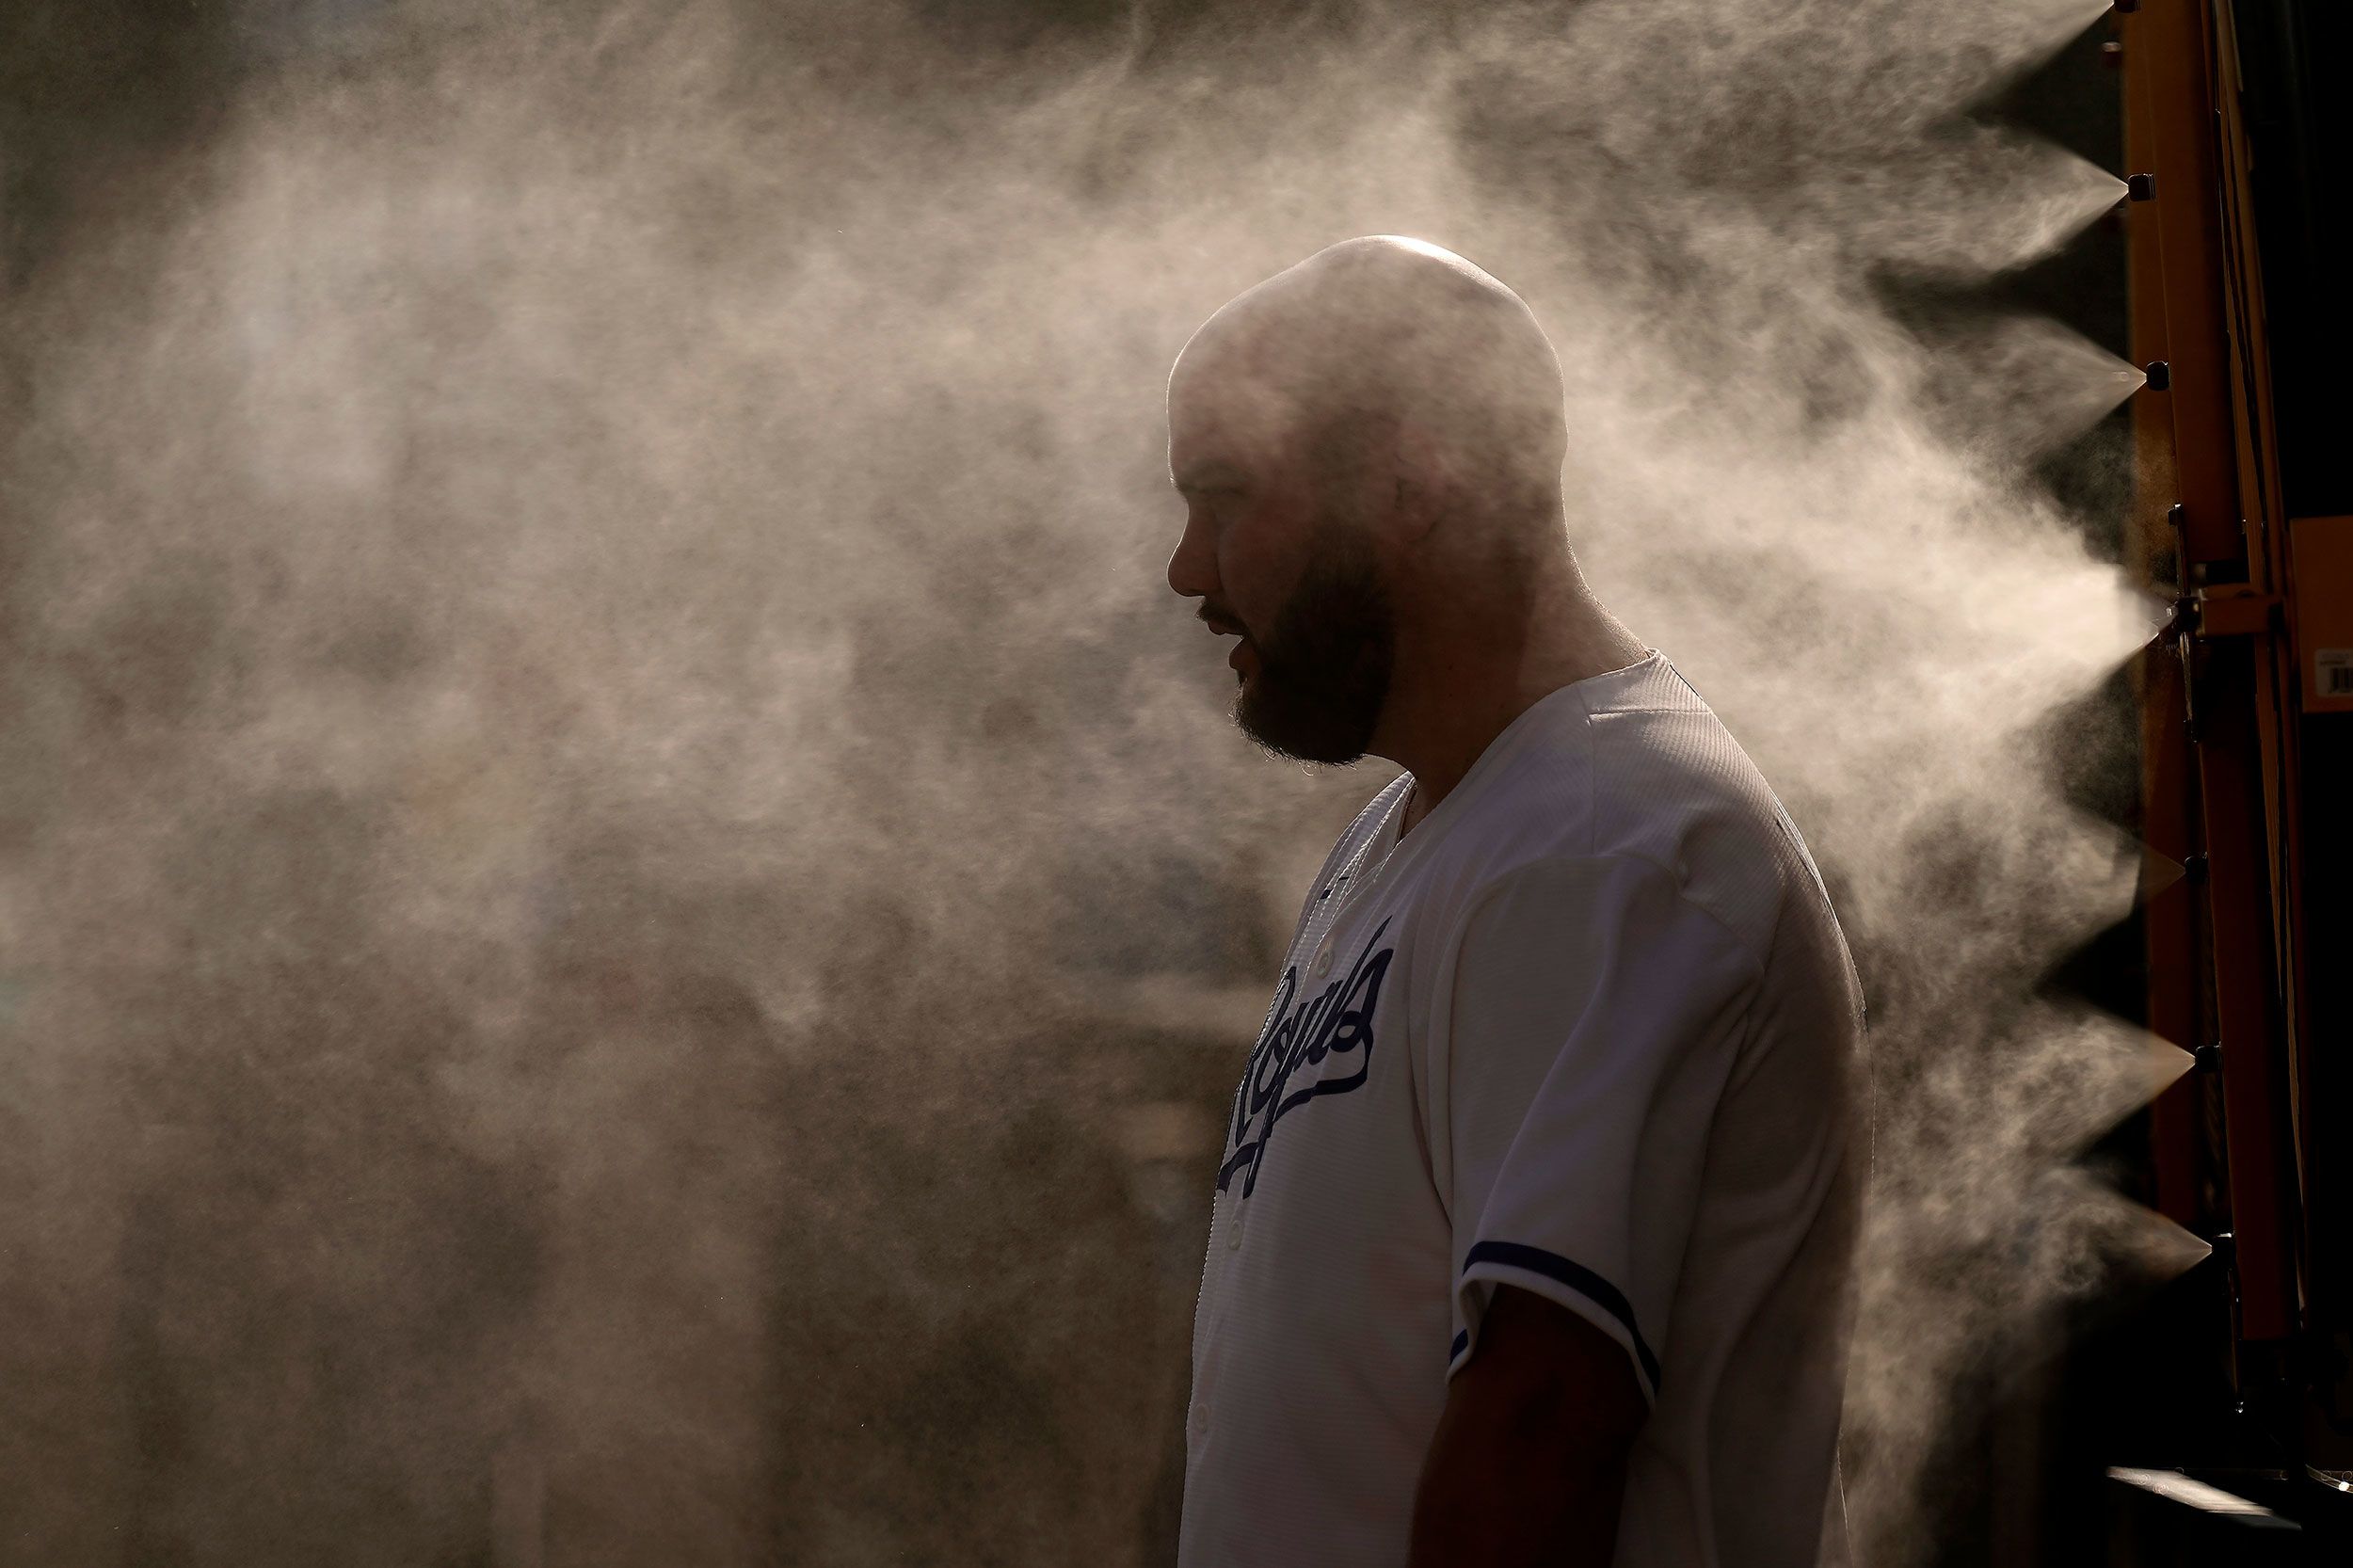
(1423, 479)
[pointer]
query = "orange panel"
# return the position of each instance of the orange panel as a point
(2155, 547)
(2165, 42)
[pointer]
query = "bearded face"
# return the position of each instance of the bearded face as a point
(1322, 670)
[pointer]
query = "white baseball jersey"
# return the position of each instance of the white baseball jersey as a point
(1590, 1030)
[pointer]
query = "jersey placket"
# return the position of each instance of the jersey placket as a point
(1317, 944)
(1348, 891)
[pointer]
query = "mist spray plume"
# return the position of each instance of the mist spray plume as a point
(623, 883)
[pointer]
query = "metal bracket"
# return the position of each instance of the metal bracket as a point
(2245, 613)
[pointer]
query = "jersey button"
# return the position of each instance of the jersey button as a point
(1233, 1242)
(1200, 1419)
(1323, 963)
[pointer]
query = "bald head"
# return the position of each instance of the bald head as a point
(1381, 342)
(1369, 448)
(1369, 445)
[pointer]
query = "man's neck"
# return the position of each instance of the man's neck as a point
(1448, 703)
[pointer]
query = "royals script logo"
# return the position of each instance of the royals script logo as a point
(1299, 1033)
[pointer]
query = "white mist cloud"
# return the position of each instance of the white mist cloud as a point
(606, 747)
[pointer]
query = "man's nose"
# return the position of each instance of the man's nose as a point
(1192, 570)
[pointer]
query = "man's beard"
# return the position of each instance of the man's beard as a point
(1323, 666)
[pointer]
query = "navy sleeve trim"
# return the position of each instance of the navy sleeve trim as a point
(1513, 1254)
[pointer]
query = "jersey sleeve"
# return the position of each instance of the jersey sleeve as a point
(1593, 1016)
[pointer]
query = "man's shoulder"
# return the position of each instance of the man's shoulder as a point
(1668, 786)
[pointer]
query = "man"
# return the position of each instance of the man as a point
(1533, 1225)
